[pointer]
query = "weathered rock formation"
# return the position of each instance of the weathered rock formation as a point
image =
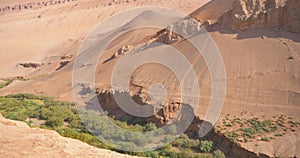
(278, 14)
(123, 50)
(176, 32)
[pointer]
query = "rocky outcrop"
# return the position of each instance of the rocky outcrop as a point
(123, 50)
(62, 65)
(64, 57)
(31, 65)
(278, 14)
(176, 32)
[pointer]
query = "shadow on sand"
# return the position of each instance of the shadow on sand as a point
(256, 33)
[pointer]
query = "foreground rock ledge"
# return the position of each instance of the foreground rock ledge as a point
(17, 139)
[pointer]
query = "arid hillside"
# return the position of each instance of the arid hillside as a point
(49, 36)
(258, 39)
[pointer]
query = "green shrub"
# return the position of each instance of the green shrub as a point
(20, 115)
(219, 154)
(54, 122)
(172, 155)
(76, 123)
(6, 83)
(168, 138)
(265, 139)
(186, 153)
(206, 155)
(150, 127)
(206, 146)
(184, 141)
(249, 132)
(294, 123)
(141, 140)
(153, 154)
(228, 125)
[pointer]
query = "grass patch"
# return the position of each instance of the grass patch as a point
(247, 130)
(265, 139)
(278, 135)
(6, 83)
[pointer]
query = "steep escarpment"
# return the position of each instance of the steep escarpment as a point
(278, 14)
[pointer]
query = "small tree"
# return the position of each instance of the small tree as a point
(219, 154)
(206, 146)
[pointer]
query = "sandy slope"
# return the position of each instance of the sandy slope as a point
(58, 32)
(212, 10)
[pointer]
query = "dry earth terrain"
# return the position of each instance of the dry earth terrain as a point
(260, 47)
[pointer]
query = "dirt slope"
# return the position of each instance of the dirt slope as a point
(52, 32)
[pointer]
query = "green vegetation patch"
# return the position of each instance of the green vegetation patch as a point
(248, 130)
(6, 83)
(63, 118)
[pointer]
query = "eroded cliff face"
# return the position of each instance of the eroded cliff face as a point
(161, 115)
(165, 116)
(283, 14)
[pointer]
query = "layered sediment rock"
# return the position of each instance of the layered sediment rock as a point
(278, 14)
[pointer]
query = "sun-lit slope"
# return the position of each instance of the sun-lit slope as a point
(259, 72)
(212, 10)
(47, 35)
(262, 79)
